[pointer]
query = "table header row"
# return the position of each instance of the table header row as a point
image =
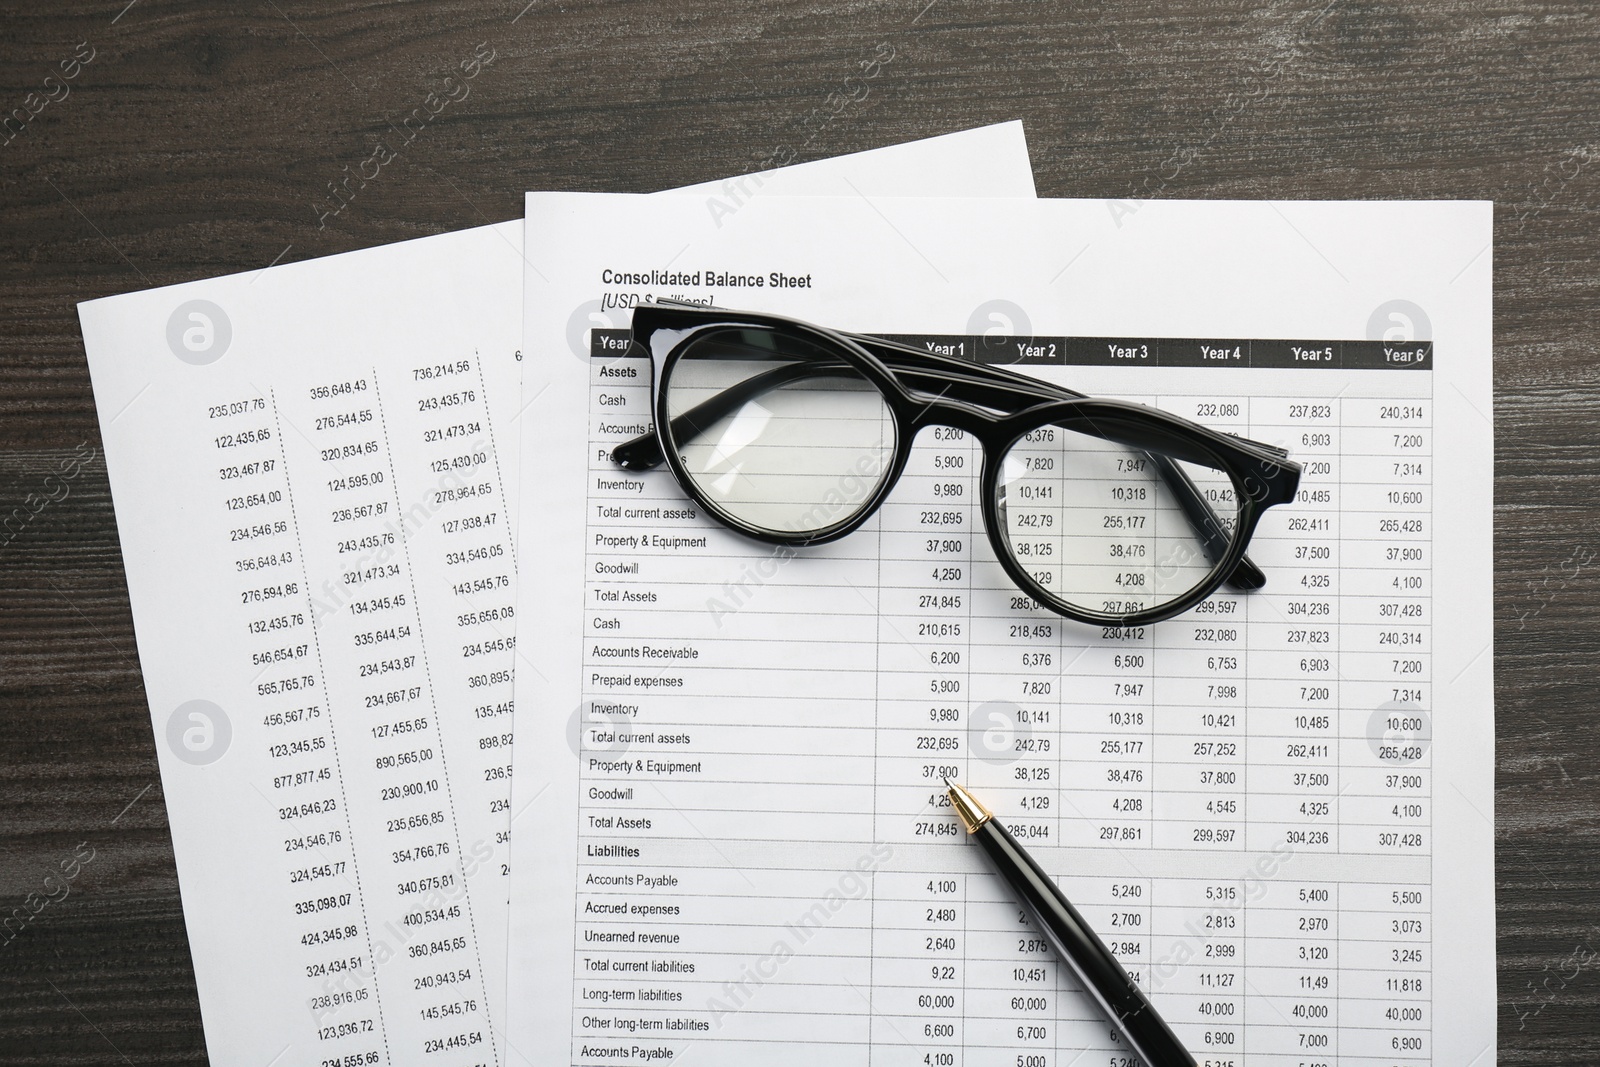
(1138, 352)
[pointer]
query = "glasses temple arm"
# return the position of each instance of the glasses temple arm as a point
(905, 358)
(1246, 577)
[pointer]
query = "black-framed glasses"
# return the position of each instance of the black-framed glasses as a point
(1103, 511)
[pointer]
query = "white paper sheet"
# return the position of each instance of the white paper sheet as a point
(1277, 809)
(314, 517)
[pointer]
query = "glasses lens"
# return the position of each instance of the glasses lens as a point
(778, 432)
(1104, 527)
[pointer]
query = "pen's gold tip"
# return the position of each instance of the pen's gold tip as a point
(971, 813)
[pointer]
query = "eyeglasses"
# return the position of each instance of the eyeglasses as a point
(1103, 511)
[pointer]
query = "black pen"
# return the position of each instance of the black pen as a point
(1105, 979)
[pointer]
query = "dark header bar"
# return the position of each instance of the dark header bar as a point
(1140, 352)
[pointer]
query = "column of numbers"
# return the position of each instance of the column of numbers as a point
(1388, 725)
(1292, 975)
(1294, 765)
(405, 808)
(320, 887)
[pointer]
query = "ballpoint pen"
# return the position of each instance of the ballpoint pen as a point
(1102, 976)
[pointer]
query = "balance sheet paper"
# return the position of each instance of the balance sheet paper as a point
(313, 487)
(732, 843)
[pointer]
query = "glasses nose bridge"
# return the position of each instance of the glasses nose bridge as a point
(936, 413)
(956, 414)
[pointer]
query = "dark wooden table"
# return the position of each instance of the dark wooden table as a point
(178, 139)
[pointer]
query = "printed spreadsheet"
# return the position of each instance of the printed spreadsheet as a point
(750, 742)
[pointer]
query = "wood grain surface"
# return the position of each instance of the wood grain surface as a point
(200, 139)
